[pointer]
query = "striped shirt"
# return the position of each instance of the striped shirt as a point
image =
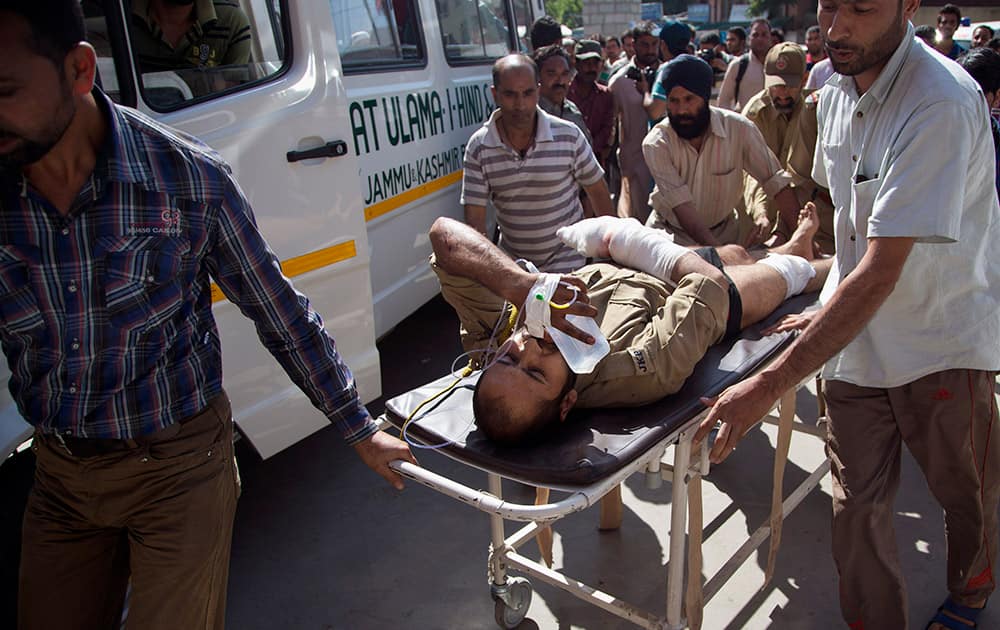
(536, 194)
(220, 36)
(106, 313)
(712, 179)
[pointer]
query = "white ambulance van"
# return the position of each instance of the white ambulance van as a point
(346, 128)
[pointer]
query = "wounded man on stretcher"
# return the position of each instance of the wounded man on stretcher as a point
(660, 307)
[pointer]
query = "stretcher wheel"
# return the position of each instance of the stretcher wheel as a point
(511, 607)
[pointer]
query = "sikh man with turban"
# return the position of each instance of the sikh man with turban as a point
(697, 156)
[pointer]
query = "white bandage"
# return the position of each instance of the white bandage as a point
(589, 237)
(796, 271)
(647, 249)
(628, 242)
(537, 314)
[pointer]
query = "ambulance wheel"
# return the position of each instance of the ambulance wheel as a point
(510, 613)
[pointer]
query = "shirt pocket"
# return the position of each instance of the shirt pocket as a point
(19, 310)
(143, 280)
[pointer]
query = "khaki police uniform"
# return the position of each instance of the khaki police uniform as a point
(657, 335)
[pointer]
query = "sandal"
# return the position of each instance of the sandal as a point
(958, 613)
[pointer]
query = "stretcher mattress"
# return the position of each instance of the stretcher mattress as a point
(592, 443)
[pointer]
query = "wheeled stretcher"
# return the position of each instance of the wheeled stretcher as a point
(589, 456)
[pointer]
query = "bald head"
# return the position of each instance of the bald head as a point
(513, 64)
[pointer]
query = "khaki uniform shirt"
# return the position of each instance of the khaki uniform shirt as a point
(712, 178)
(657, 336)
(792, 139)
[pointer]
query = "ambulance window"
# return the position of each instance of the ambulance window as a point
(377, 34)
(230, 44)
(99, 36)
(522, 19)
(473, 30)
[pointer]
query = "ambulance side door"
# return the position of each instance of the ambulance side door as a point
(278, 115)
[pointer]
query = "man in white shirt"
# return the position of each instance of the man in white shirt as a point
(911, 314)
(745, 74)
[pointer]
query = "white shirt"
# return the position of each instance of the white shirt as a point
(534, 194)
(821, 71)
(753, 82)
(913, 157)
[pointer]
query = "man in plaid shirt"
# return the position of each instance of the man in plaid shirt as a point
(111, 229)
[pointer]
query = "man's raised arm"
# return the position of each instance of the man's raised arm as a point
(462, 251)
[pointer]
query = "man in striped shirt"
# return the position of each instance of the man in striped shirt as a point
(531, 166)
(112, 228)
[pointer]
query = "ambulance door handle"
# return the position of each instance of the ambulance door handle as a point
(335, 148)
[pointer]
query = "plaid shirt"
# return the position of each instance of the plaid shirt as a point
(106, 314)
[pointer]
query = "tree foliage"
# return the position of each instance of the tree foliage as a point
(771, 7)
(568, 12)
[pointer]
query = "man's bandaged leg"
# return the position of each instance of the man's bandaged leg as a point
(796, 271)
(647, 249)
(627, 242)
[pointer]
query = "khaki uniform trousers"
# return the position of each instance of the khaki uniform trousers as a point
(159, 511)
(948, 421)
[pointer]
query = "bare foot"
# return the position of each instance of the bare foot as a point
(801, 241)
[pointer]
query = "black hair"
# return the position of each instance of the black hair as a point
(987, 28)
(494, 415)
(710, 38)
(777, 32)
(545, 53)
(812, 29)
(739, 32)
(646, 28)
(761, 20)
(613, 38)
(951, 9)
(545, 31)
(54, 27)
(983, 64)
(925, 32)
(994, 44)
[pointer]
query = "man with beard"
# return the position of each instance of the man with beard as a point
(745, 74)
(179, 34)
(114, 353)
(627, 87)
(553, 84)
(593, 99)
(531, 166)
(778, 111)
(907, 155)
(697, 156)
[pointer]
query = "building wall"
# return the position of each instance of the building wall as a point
(609, 17)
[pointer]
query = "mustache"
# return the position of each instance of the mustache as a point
(840, 46)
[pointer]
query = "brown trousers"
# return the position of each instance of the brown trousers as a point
(948, 421)
(159, 512)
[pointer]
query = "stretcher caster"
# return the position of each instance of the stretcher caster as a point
(511, 602)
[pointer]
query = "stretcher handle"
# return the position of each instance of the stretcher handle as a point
(486, 502)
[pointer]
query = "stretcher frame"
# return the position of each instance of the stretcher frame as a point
(513, 597)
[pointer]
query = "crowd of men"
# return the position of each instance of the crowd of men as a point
(824, 165)
(837, 143)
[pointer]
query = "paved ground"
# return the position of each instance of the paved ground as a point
(321, 543)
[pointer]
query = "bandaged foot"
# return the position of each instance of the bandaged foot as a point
(627, 242)
(796, 271)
